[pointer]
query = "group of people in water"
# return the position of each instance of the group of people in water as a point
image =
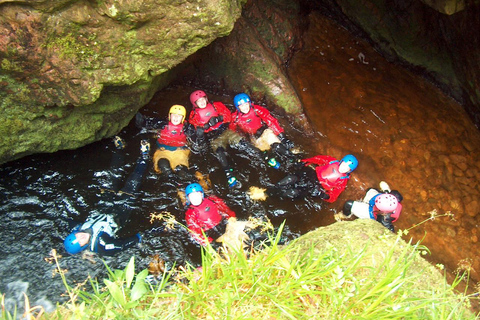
(212, 126)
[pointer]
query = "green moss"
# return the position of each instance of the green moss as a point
(11, 66)
(73, 45)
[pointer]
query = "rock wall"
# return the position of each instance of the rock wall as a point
(72, 72)
(435, 37)
(253, 57)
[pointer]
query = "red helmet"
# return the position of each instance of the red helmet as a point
(197, 95)
(386, 202)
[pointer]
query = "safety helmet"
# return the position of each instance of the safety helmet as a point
(71, 244)
(193, 187)
(241, 98)
(195, 95)
(397, 194)
(386, 202)
(178, 109)
(351, 161)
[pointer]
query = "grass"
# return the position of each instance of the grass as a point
(291, 282)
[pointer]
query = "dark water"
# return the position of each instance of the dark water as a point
(402, 129)
(44, 196)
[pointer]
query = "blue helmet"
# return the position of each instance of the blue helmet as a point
(193, 187)
(240, 99)
(351, 161)
(71, 244)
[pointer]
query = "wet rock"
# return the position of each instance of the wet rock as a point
(74, 72)
(411, 31)
(253, 57)
(468, 146)
(472, 208)
(451, 233)
(423, 195)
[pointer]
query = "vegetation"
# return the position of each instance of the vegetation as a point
(290, 282)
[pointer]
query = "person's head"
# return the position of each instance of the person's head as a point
(386, 203)
(194, 193)
(177, 113)
(242, 102)
(348, 164)
(199, 99)
(76, 242)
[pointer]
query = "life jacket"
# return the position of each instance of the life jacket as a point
(372, 208)
(328, 175)
(172, 135)
(208, 214)
(203, 115)
(97, 225)
(249, 122)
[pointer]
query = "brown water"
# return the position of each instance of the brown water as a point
(403, 130)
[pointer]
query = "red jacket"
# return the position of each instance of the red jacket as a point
(206, 216)
(332, 181)
(172, 135)
(200, 117)
(253, 120)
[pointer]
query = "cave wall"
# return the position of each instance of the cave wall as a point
(73, 72)
(254, 57)
(438, 38)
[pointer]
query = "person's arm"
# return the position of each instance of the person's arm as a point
(319, 160)
(386, 220)
(195, 136)
(223, 111)
(222, 207)
(270, 120)
(108, 245)
(233, 123)
(336, 190)
(149, 123)
(194, 120)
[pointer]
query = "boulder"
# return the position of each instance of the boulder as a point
(73, 72)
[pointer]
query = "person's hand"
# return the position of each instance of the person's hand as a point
(289, 144)
(199, 132)
(324, 195)
(213, 121)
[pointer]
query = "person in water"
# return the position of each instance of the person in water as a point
(320, 176)
(99, 232)
(172, 155)
(211, 121)
(205, 215)
(383, 206)
(263, 129)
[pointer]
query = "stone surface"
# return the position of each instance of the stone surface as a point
(253, 57)
(443, 46)
(446, 6)
(370, 238)
(72, 72)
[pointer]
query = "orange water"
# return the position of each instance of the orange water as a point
(403, 130)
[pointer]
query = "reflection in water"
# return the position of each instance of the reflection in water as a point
(403, 129)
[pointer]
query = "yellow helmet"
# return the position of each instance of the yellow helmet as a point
(178, 109)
